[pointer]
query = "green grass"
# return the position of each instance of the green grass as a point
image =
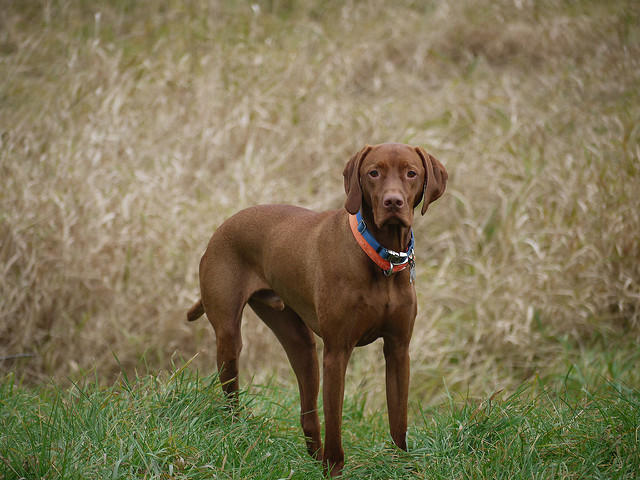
(142, 428)
(179, 427)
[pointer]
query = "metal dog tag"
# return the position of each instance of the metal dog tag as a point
(412, 267)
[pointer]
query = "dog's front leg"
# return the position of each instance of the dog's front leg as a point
(334, 368)
(396, 354)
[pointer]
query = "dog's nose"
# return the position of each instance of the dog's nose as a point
(393, 201)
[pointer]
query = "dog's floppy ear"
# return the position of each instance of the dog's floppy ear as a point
(435, 180)
(351, 174)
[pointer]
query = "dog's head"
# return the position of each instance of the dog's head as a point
(392, 179)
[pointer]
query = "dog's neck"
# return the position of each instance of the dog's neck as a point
(391, 236)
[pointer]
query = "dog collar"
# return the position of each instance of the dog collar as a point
(388, 260)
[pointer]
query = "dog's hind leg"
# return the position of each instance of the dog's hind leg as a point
(300, 345)
(229, 345)
(223, 301)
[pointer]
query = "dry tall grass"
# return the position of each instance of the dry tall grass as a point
(130, 130)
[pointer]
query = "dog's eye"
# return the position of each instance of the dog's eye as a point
(373, 173)
(411, 174)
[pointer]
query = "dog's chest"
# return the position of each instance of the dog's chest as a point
(377, 315)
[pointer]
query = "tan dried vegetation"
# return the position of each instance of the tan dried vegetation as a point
(130, 130)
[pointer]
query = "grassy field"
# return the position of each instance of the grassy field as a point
(178, 427)
(130, 130)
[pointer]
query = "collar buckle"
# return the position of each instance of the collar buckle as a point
(397, 258)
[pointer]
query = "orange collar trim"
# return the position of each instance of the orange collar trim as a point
(385, 265)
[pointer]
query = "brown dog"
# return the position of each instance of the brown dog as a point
(304, 272)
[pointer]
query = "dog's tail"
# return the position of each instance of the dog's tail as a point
(196, 311)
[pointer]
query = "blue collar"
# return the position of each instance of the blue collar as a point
(395, 259)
